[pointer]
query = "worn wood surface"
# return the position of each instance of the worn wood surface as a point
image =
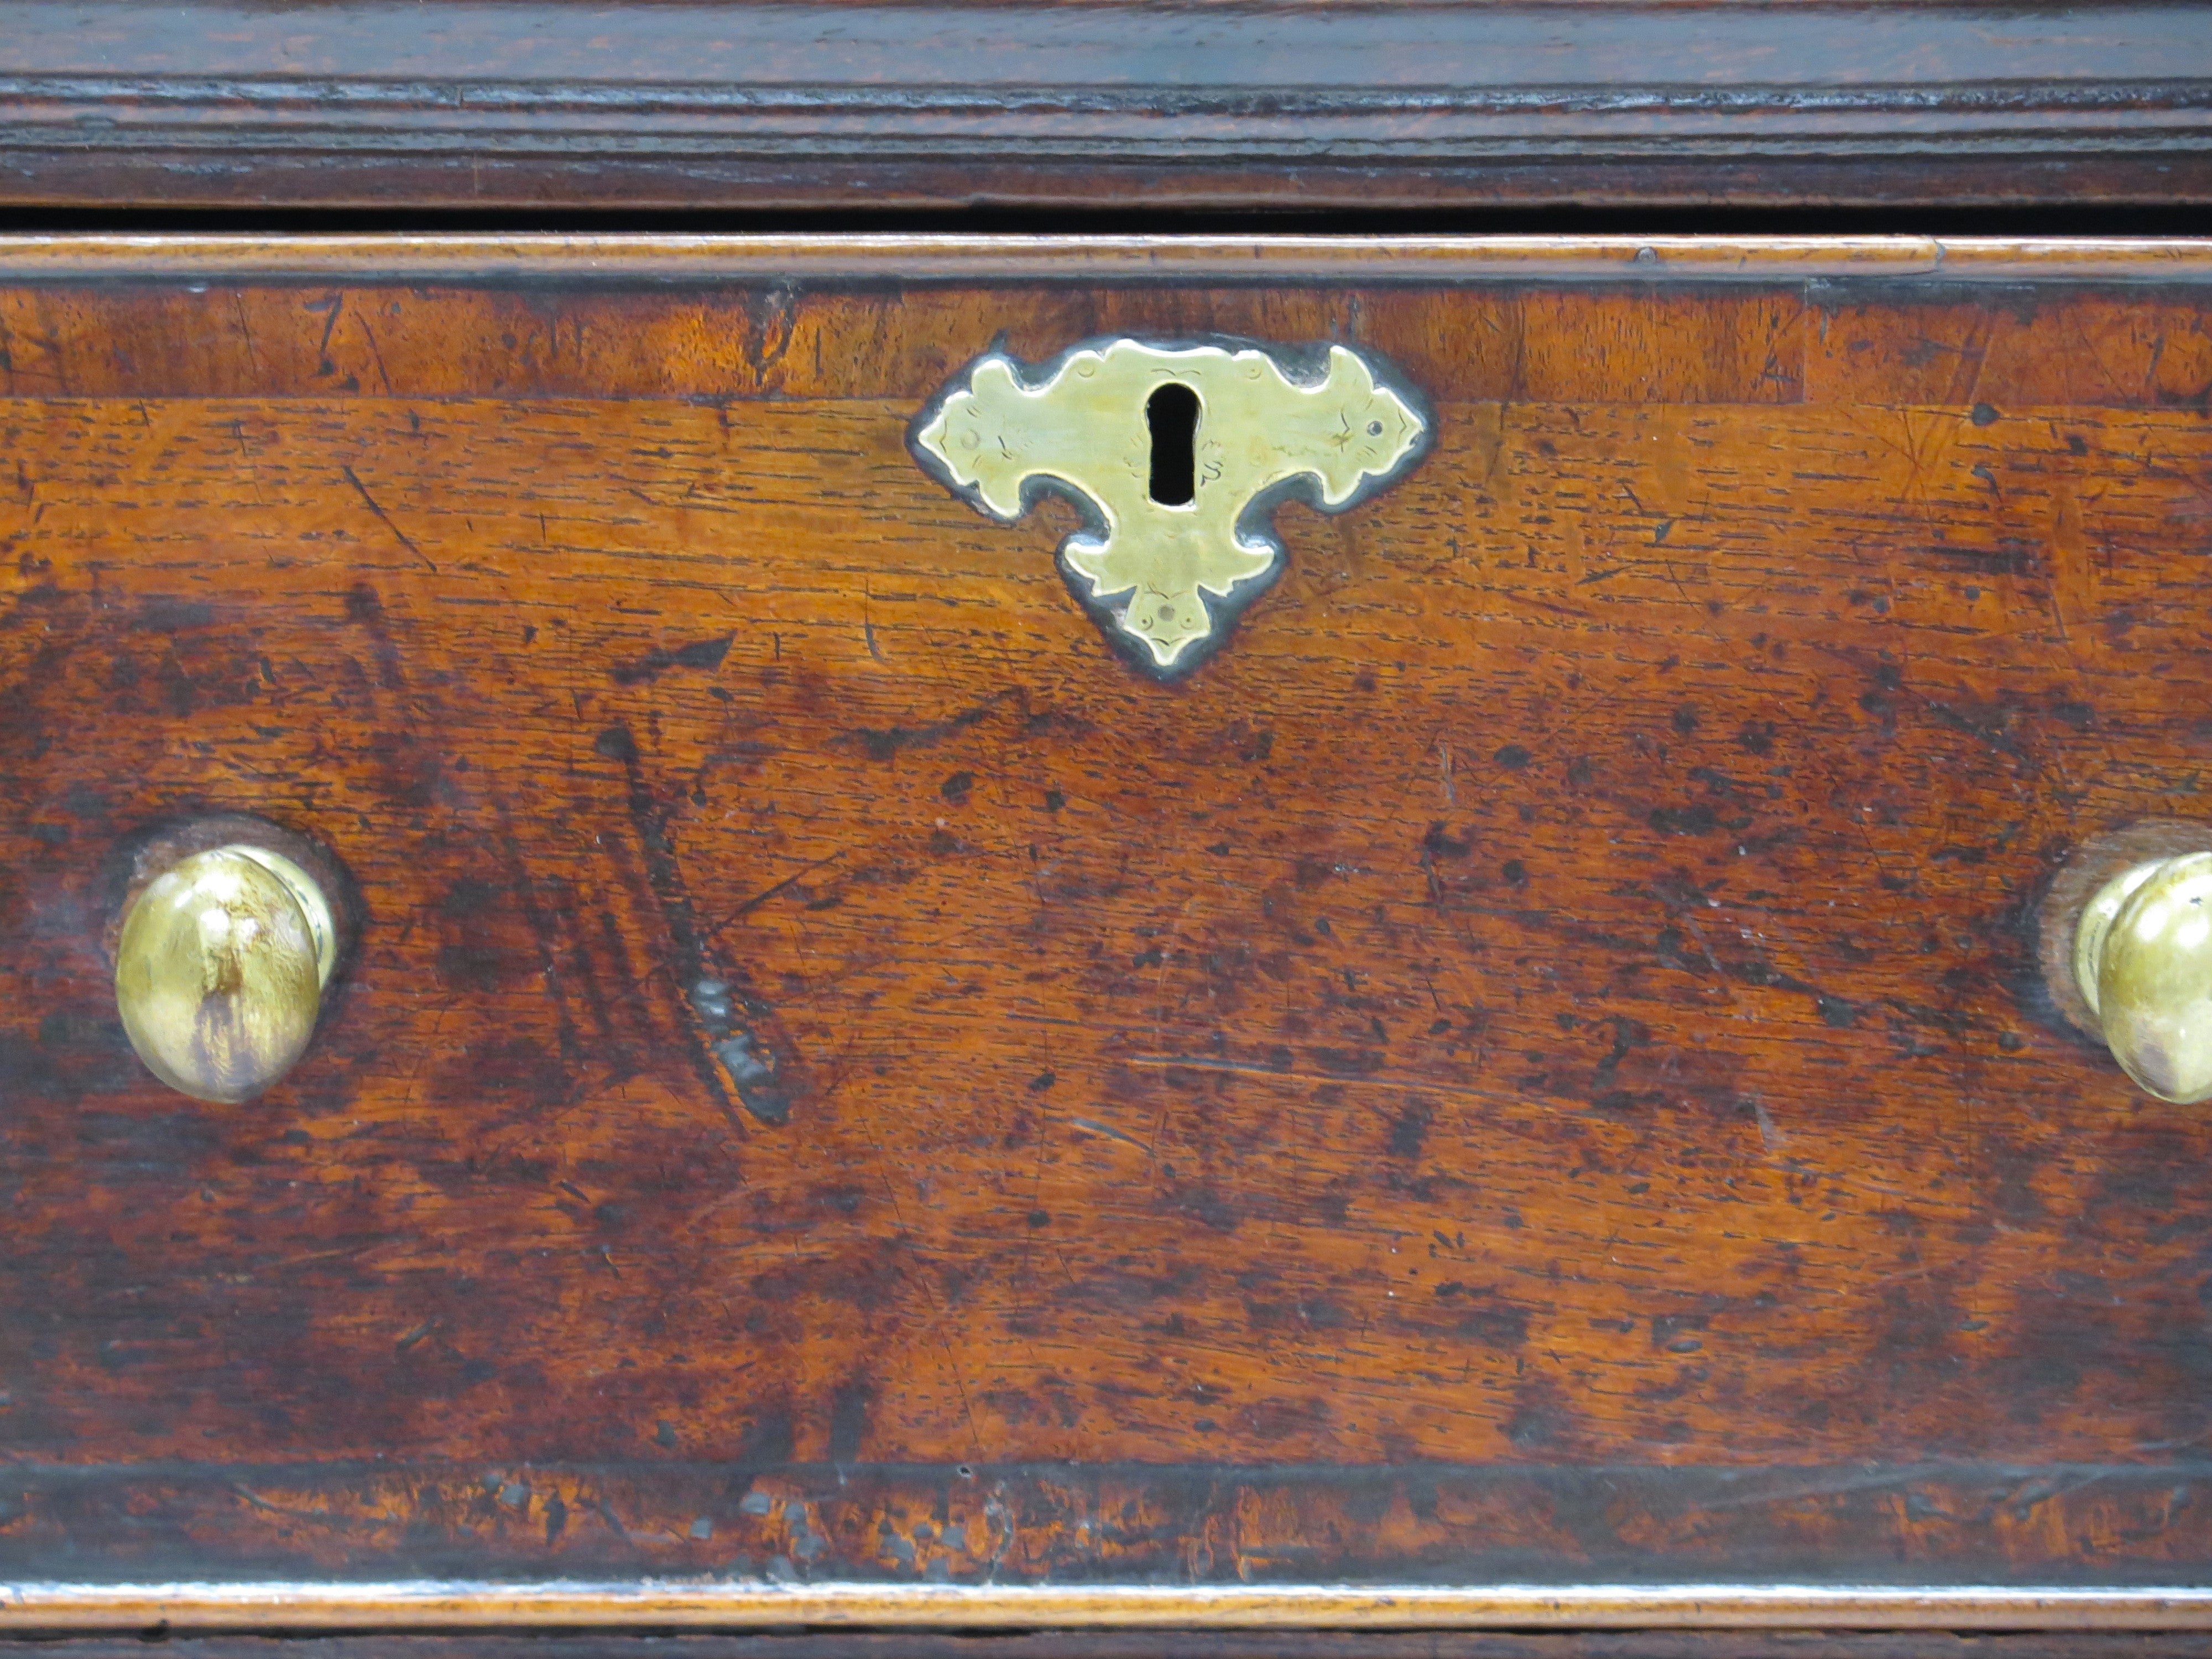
(1152, 109)
(1529, 1067)
(1171, 1644)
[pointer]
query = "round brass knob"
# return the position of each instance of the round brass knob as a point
(2142, 961)
(219, 969)
(2126, 945)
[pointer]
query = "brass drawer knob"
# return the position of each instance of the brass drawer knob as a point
(2128, 952)
(219, 969)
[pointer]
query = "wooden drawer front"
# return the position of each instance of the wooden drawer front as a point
(1528, 1068)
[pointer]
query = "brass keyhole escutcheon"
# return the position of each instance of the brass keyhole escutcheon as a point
(1176, 456)
(226, 945)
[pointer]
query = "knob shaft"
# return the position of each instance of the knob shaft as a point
(219, 969)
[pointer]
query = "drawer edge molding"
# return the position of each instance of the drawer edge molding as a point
(921, 258)
(579, 1605)
(107, 103)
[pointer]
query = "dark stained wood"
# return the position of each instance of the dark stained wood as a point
(1156, 108)
(1529, 1068)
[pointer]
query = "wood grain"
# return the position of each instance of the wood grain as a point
(1178, 1644)
(907, 259)
(1169, 1614)
(1529, 1068)
(1152, 109)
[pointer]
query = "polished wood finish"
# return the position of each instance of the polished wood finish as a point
(1150, 109)
(1525, 1078)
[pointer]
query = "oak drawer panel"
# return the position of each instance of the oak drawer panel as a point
(1527, 1068)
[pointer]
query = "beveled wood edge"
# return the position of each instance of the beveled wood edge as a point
(418, 1606)
(901, 257)
(106, 105)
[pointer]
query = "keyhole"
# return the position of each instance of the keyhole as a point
(1172, 414)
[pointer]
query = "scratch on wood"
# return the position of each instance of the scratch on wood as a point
(385, 518)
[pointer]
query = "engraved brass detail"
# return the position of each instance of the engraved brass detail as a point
(1167, 577)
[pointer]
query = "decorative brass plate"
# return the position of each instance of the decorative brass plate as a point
(1177, 456)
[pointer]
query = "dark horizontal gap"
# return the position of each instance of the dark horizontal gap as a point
(2108, 219)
